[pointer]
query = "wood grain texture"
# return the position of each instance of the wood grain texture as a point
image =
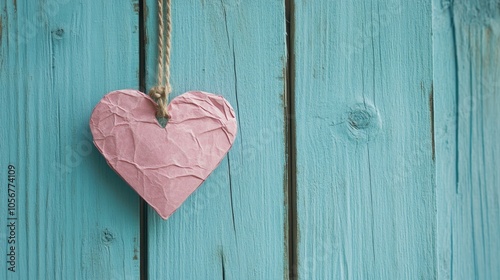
(76, 218)
(365, 173)
(467, 102)
(234, 225)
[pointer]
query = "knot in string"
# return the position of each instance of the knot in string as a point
(160, 95)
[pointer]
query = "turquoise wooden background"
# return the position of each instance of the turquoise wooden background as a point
(367, 145)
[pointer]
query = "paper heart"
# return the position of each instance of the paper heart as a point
(163, 165)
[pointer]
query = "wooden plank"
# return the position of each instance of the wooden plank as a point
(467, 102)
(234, 225)
(76, 219)
(365, 173)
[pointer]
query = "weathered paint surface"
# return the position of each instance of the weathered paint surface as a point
(232, 226)
(76, 219)
(365, 173)
(467, 108)
(396, 140)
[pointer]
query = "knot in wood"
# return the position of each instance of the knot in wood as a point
(363, 122)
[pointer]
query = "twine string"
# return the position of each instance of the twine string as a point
(163, 88)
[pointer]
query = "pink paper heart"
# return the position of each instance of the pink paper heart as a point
(163, 165)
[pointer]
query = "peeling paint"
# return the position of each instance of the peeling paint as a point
(136, 251)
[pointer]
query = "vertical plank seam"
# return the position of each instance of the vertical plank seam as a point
(143, 207)
(290, 144)
(457, 92)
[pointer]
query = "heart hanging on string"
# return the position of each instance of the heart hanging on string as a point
(164, 165)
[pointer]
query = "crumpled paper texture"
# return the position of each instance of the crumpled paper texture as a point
(163, 165)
